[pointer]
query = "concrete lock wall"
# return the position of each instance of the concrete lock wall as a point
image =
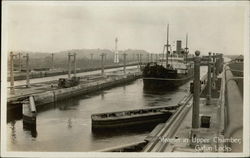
(44, 98)
(60, 94)
(234, 107)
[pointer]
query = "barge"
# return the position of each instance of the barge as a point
(132, 119)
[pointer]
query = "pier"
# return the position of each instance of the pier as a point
(49, 92)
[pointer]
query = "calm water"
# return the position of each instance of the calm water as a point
(66, 126)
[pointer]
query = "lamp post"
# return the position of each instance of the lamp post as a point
(12, 87)
(27, 70)
(208, 101)
(124, 63)
(196, 97)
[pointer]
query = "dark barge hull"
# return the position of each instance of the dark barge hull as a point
(142, 122)
(140, 119)
(165, 83)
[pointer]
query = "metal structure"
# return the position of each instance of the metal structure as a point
(20, 61)
(156, 57)
(214, 72)
(12, 86)
(196, 97)
(91, 59)
(138, 59)
(116, 58)
(69, 64)
(52, 60)
(140, 55)
(186, 49)
(27, 70)
(166, 46)
(102, 57)
(124, 63)
(209, 80)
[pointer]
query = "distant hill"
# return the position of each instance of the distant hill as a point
(85, 53)
(232, 56)
(43, 59)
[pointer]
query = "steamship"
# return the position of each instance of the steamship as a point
(172, 71)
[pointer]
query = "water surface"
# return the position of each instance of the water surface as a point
(66, 125)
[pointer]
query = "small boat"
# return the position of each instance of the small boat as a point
(132, 119)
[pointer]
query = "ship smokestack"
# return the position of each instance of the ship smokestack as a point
(178, 46)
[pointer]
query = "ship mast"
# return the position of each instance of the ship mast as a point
(186, 49)
(167, 45)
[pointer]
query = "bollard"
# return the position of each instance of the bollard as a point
(196, 96)
(208, 101)
(124, 63)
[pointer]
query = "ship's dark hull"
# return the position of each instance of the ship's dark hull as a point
(167, 80)
(164, 83)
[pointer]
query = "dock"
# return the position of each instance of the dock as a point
(49, 92)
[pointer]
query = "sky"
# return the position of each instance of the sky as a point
(59, 26)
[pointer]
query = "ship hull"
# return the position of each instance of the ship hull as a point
(159, 77)
(165, 83)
